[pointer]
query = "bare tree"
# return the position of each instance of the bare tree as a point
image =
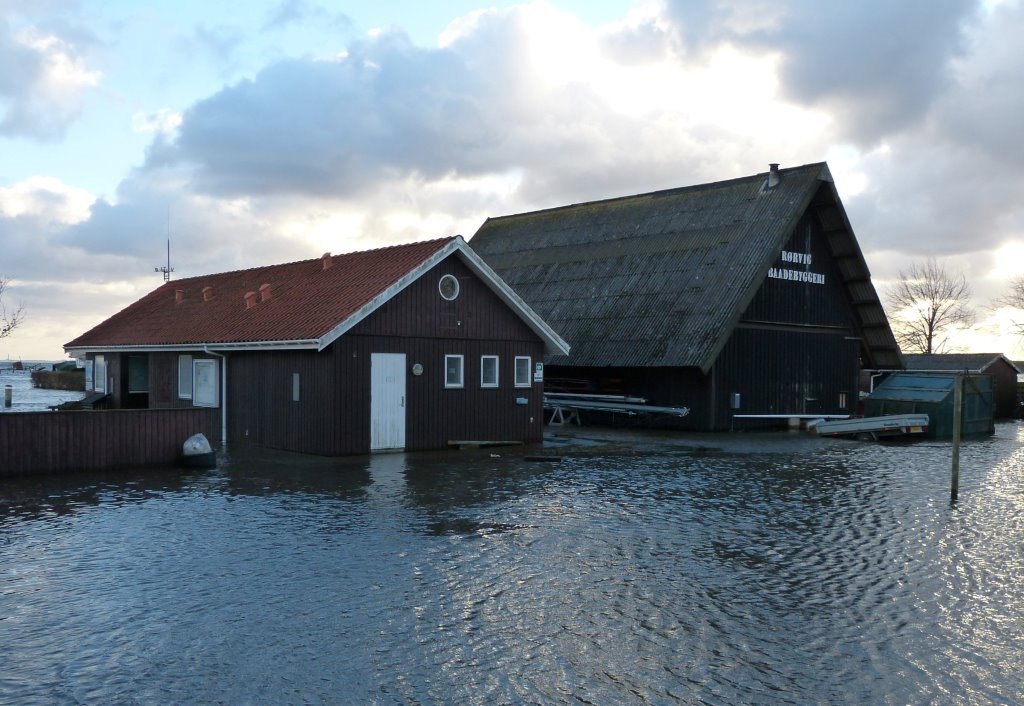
(928, 303)
(9, 320)
(1014, 298)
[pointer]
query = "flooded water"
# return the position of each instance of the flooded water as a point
(27, 398)
(720, 570)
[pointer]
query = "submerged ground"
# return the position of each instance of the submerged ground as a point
(642, 568)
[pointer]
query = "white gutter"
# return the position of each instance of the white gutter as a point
(302, 344)
(223, 396)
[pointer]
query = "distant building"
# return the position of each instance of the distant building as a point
(743, 300)
(1002, 370)
(407, 347)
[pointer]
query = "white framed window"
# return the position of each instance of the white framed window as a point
(184, 377)
(453, 369)
(100, 374)
(448, 286)
(488, 371)
(523, 369)
(205, 388)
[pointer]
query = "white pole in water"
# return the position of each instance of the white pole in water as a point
(8, 392)
(958, 404)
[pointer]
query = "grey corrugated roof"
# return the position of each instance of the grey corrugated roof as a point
(660, 279)
(971, 362)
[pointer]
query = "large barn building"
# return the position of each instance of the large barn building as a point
(748, 301)
(408, 347)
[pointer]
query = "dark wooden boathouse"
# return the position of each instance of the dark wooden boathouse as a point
(407, 347)
(748, 301)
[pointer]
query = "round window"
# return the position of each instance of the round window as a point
(449, 287)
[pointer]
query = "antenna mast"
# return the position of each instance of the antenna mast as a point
(167, 269)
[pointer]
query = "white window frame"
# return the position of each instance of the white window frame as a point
(184, 377)
(453, 282)
(99, 374)
(484, 359)
(205, 383)
(525, 382)
(449, 383)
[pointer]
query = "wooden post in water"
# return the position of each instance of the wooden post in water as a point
(958, 416)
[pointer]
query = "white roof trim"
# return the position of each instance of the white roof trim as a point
(307, 344)
(553, 343)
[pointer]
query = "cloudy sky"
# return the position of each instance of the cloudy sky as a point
(271, 131)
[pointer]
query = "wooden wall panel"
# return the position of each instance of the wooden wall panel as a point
(66, 442)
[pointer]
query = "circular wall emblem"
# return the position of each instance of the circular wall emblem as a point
(448, 286)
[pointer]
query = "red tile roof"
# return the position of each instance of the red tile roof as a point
(306, 301)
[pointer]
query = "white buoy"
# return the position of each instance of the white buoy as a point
(196, 452)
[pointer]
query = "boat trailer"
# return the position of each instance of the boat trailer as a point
(888, 426)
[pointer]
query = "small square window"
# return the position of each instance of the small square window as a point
(453, 366)
(523, 368)
(488, 371)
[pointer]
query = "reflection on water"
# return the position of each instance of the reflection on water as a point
(750, 569)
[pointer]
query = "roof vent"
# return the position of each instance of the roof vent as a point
(326, 259)
(179, 296)
(264, 292)
(250, 300)
(773, 175)
(207, 293)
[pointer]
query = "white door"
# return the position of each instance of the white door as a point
(387, 401)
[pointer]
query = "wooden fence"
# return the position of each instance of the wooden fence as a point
(65, 442)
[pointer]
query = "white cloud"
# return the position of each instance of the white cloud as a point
(45, 197)
(163, 121)
(42, 83)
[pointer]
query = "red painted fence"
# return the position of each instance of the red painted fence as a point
(65, 442)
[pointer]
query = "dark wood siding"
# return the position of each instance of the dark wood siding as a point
(785, 372)
(420, 312)
(63, 442)
(332, 416)
(1004, 384)
(261, 410)
(785, 301)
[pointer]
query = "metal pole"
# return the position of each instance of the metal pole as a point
(958, 404)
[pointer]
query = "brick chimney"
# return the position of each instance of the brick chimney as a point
(326, 259)
(250, 300)
(179, 296)
(207, 293)
(264, 292)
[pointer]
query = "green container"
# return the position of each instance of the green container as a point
(932, 394)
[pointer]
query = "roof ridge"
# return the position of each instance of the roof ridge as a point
(224, 273)
(659, 192)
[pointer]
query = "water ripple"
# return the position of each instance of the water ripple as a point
(768, 570)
